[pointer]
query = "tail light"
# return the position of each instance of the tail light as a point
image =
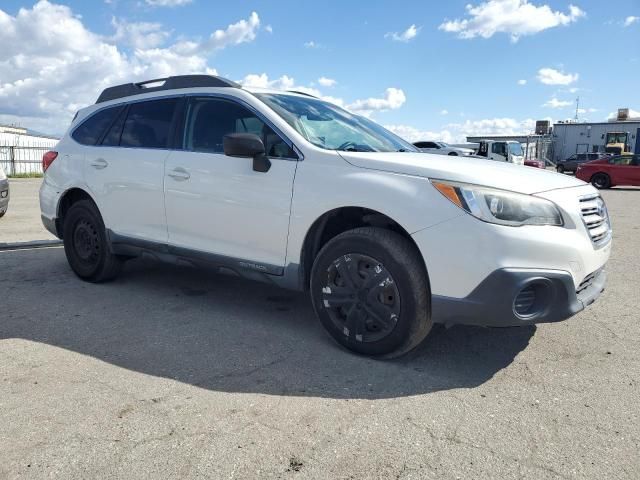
(47, 159)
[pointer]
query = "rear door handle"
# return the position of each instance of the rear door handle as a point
(179, 174)
(99, 163)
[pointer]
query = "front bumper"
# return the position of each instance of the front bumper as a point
(493, 302)
(4, 195)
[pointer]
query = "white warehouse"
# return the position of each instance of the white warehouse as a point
(21, 152)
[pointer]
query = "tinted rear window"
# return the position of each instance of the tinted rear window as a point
(148, 124)
(92, 129)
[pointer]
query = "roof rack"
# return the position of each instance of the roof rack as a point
(159, 84)
(302, 93)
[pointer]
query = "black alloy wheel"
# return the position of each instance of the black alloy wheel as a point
(361, 297)
(370, 290)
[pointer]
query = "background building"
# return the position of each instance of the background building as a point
(21, 151)
(573, 137)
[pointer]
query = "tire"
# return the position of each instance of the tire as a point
(3, 213)
(452, 154)
(370, 291)
(601, 180)
(86, 245)
(560, 168)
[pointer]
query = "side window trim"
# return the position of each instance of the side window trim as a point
(124, 111)
(236, 101)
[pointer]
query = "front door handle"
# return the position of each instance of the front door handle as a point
(179, 174)
(99, 163)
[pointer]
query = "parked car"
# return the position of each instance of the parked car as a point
(4, 193)
(295, 191)
(442, 148)
(534, 162)
(611, 171)
(571, 163)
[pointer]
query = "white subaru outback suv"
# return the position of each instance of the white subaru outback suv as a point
(289, 189)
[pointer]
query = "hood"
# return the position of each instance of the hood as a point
(479, 171)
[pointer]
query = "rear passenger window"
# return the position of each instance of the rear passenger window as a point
(148, 124)
(92, 129)
(210, 119)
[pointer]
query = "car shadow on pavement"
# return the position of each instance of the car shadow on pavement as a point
(228, 334)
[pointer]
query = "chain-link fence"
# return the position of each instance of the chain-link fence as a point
(539, 147)
(20, 160)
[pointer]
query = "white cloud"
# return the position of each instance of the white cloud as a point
(51, 64)
(458, 132)
(311, 44)
(409, 34)
(167, 3)
(444, 112)
(522, 82)
(514, 17)
(268, 28)
(326, 82)
(630, 20)
(551, 76)
(138, 35)
(555, 103)
(394, 98)
(587, 110)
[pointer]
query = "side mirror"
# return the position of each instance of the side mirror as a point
(247, 145)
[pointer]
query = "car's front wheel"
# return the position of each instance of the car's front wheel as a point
(86, 246)
(601, 180)
(560, 168)
(370, 291)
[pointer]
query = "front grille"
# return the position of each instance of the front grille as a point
(596, 219)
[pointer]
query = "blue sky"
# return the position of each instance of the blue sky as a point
(424, 68)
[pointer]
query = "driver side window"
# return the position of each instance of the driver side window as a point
(210, 119)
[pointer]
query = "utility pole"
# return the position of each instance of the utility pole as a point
(577, 107)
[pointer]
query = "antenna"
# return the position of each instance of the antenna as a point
(577, 107)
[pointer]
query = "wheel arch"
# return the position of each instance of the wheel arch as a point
(68, 198)
(338, 220)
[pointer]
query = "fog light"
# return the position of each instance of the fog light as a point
(525, 301)
(4, 194)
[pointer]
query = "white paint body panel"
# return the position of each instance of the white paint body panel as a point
(228, 209)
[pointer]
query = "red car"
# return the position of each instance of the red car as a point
(611, 171)
(534, 162)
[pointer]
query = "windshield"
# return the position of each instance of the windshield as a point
(330, 127)
(516, 149)
(616, 137)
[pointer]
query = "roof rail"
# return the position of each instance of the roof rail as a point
(302, 93)
(169, 83)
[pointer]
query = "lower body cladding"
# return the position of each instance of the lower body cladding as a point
(4, 196)
(515, 297)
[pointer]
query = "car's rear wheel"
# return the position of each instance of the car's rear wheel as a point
(560, 168)
(86, 246)
(453, 154)
(370, 291)
(601, 180)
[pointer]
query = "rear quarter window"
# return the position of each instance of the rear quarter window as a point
(93, 128)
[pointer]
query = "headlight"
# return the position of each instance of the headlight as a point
(500, 206)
